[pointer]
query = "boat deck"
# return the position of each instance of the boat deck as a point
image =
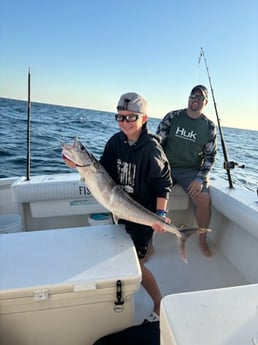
(174, 276)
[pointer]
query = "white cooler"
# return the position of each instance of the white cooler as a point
(227, 316)
(66, 286)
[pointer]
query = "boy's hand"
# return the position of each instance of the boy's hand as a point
(158, 226)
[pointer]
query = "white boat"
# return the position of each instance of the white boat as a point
(36, 214)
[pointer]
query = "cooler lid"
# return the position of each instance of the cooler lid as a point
(65, 259)
(220, 316)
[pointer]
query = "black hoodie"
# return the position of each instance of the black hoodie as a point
(141, 168)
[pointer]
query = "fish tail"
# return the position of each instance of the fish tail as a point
(184, 234)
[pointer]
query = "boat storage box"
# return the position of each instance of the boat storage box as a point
(224, 316)
(66, 286)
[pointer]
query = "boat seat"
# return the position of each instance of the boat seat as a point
(55, 195)
(178, 199)
(49, 187)
(67, 194)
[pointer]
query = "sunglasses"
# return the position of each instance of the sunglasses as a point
(199, 97)
(127, 118)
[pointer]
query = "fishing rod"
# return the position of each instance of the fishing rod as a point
(28, 128)
(227, 165)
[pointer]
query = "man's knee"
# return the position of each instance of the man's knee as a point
(203, 200)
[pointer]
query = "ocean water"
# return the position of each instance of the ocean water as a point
(52, 124)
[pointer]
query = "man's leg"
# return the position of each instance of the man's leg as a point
(202, 204)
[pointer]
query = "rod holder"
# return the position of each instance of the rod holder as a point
(232, 165)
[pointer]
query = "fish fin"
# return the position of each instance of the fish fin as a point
(187, 232)
(183, 235)
(115, 218)
(181, 244)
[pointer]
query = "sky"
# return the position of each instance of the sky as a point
(86, 53)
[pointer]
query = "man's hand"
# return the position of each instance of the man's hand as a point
(194, 189)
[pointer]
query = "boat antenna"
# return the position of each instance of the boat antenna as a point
(28, 128)
(227, 165)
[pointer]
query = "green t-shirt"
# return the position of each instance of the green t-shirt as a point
(185, 142)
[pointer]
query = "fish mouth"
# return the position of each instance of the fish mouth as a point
(71, 160)
(65, 157)
(67, 152)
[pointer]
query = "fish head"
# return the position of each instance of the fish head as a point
(77, 153)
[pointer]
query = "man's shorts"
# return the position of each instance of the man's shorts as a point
(184, 177)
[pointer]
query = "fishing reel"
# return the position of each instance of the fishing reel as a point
(232, 165)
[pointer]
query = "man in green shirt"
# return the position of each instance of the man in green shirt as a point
(189, 141)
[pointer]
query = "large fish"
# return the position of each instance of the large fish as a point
(114, 198)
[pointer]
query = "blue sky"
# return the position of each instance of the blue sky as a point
(87, 53)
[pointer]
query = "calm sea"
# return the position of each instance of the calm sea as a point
(52, 124)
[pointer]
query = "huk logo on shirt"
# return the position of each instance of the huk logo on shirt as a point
(182, 133)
